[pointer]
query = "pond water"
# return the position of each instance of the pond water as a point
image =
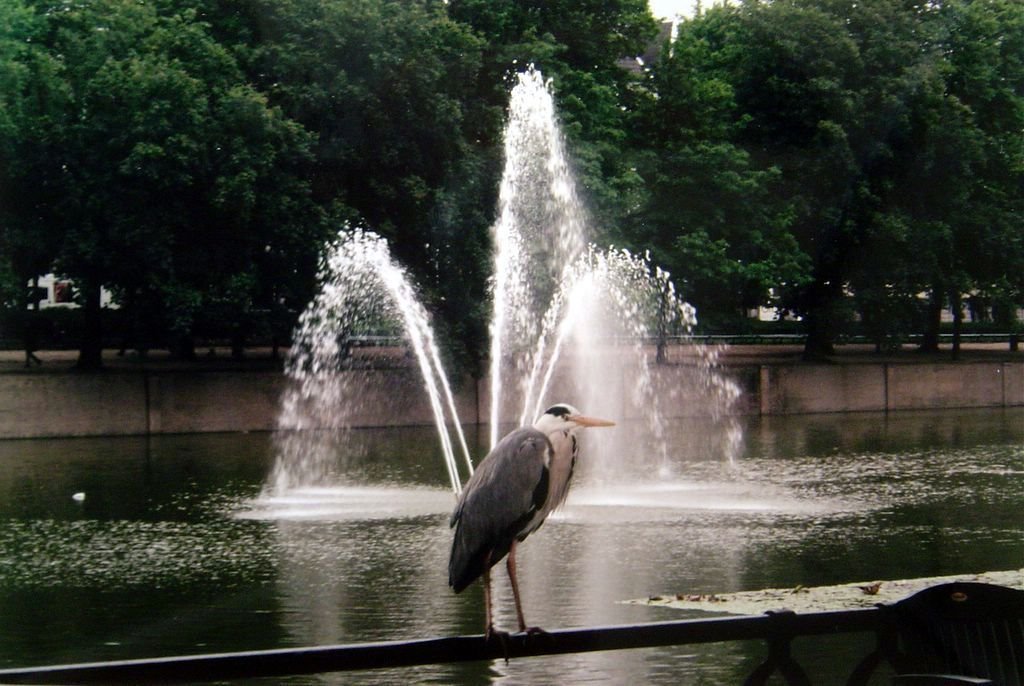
(173, 551)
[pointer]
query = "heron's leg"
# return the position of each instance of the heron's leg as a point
(488, 620)
(490, 632)
(510, 564)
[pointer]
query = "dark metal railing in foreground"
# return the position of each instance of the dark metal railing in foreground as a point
(778, 629)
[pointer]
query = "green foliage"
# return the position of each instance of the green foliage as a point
(386, 89)
(710, 212)
(820, 148)
(29, 96)
(160, 172)
(831, 158)
(577, 44)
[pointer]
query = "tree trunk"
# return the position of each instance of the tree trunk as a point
(819, 322)
(30, 324)
(90, 350)
(818, 344)
(237, 344)
(184, 346)
(930, 338)
(956, 304)
(1014, 331)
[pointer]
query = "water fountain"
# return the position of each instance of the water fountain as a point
(363, 290)
(571, 321)
(538, 235)
(160, 559)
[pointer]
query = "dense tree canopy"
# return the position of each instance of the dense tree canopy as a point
(838, 160)
(709, 212)
(859, 140)
(156, 170)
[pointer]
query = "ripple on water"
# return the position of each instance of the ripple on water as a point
(121, 554)
(349, 503)
(666, 499)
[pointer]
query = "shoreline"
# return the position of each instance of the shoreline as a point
(260, 359)
(216, 393)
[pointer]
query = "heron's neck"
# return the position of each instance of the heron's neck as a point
(563, 461)
(562, 441)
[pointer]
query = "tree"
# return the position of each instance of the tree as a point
(384, 87)
(984, 44)
(169, 176)
(710, 213)
(578, 46)
(26, 89)
(834, 92)
(951, 190)
(30, 94)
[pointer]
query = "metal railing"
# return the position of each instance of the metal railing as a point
(777, 629)
(799, 338)
(371, 341)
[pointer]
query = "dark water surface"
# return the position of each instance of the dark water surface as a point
(173, 550)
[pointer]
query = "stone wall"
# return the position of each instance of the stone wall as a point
(140, 402)
(794, 389)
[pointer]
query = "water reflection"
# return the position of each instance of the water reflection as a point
(174, 551)
(356, 502)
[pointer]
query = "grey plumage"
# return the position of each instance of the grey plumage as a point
(520, 482)
(499, 501)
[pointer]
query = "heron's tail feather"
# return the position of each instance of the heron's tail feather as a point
(460, 578)
(465, 565)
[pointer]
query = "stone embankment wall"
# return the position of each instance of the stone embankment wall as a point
(181, 401)
(794, 389)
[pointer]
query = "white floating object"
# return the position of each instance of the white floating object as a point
(79, 497)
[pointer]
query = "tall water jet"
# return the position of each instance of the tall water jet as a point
(538, 234)
(609, 306)
(571, 321)
(364, 291)
(579, 318)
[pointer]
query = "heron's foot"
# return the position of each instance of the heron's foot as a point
(535, 635)
(493, 634)
(501, 637)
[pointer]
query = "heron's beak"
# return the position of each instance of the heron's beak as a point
(590, 421)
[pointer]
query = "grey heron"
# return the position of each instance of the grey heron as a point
(520, 482)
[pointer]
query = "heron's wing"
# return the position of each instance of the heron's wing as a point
(499, 500)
